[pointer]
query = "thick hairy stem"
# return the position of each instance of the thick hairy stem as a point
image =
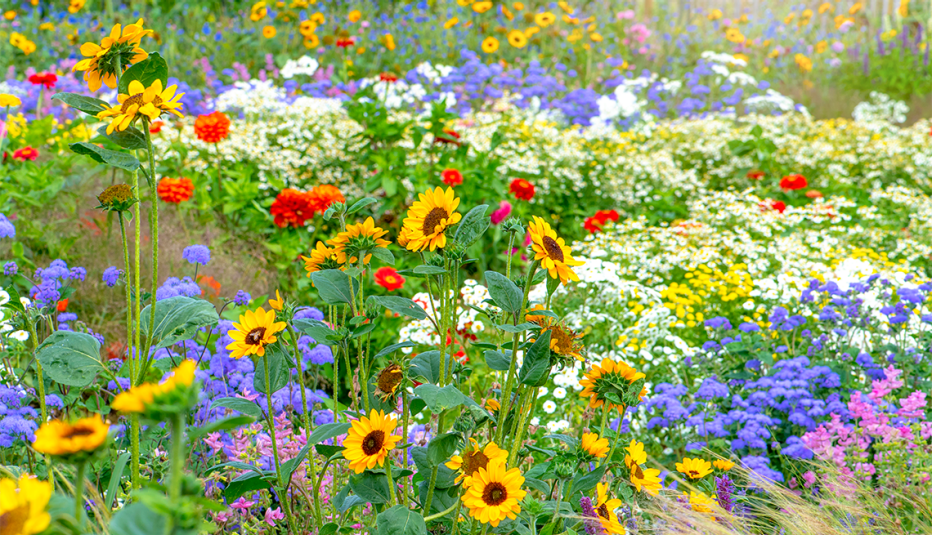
(510, 382)
(135, 352)
(40, 378)
(154, 222)
(134, 431)
(278, 466)
(177, 458)
(129, 293)
(305, 414)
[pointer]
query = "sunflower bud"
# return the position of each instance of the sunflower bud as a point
(327, 40)
(388, 381)
(117, 198)
(513, 225)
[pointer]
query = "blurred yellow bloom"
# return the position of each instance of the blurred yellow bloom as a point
(9, 15)
(464, 3)
(450, 23)
(9, 100)
(806, 14)
(311, 41)
(826, 8)
(23, 505)
(821, 47)
(482, 7)
(565, 7)
(789, 18)
(354, 16)
(570, 20)
(307, 28)
(269, 32)
(318, 18)
(517, 39)
(544, 19)
(903, 10)
(507, 13)
(734, 35)
(389, 41)
(489, 45)
(47, 26)
(804, 63)
(531, 31)
(742, 57)
(715, 14)
(596, 37)
(75, 5)
(258, 11)
(360, 51)
(855, 8)
(591, 28)
(518, 6)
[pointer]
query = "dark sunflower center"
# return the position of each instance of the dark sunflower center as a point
(693, 474)
(554, 251)
(14, 520)
(433, 219)
(563, 340)
(495, 493)
(137, 100)
(473, 461)
(603, 511)
(255, 336)
(638, 473)
(373, 442)
(389, 379)
(78, 432)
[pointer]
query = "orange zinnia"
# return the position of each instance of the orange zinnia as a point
(326, 195)
(175, 190)
(293, 207)
(212, 128)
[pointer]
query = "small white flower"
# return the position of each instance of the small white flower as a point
(535, 421)
(559, 392)
(543, 391)
(4, 297)
(550, 407)
(25, 302)
(22, 336)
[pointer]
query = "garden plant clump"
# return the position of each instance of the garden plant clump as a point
(464, 267)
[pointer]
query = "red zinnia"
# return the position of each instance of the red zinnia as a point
(778, 206)
(212, 128)
(156, 127)
(326, 195)
(345, 43)
(595, 223)
(452, 177)
(450, 136)
(814, 194)
(26, 153)
(755, 175)
(293, 207)
(388, 77)
(175, 190)
(522, 189)
(47, 79)
(389, 279)
(793, 182)
(62, 305)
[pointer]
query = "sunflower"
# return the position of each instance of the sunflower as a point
(517, 39)
(171, 395)
(635, 455)
(608, 382)
(254, 331)
(369, 440)
(700, 502)
(472, 460)
(150, 102)
(112, 56)
(494, 493)
(493, 405)
(723, 464)
(429, 218)
(23, 505)
(563, 340)
(544, 19)
(62, 438)
(387, 382)
(269, 32)
(646, 480)
(606, 507)
(357, 238)
(278, 303)
(595, 446)
(552, 251)
(322, 257)
(489, 45)
(694, 468)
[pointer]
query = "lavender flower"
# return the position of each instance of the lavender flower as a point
(196, 254)
(7, 230)
(593, 526)
(724, 489)
(242, 298)
(10, 268)
(111, 276)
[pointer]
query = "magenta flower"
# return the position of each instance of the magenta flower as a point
(271, 515)
(504, 210)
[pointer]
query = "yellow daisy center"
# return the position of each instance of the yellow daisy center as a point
(433, 219)
(695, 474)
(78, 431)
(563, 341)
(554, 251)
(255, 336)
(15, 519)
(473, 461)
(373, 442)
(494, 493)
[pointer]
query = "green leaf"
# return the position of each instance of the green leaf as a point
(504, 292)
(384, 255)
(329, 529)
(279, 371)
(360, 204)
(440, 399)
(70, 358)
(177, 318)
(231, 422)
(472, 226)
(248, 482)
(112, 158)
(399, 520)
(587, 482)
(240, 405)
(429, 270)
(131, 138)
(88, 105)
(520, 328)
(333, 286)
(327, 431)
(145, 72)
(536, 364)
(399, 305)
(497, 360)
(441, 447)
(115, 477)
(344, 501)
(136, 519)
(371, 487)
(426, 366)
(392, 348)
(318, 330)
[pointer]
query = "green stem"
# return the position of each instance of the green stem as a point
(509, 384)
(430, 489)
(307, 421)
(270, 421)
(137, 244)
(134, 451)
(79, 492)
(511, 245)
(444, 322)
(530, 394)
(404, 433)
(604, 420)
(442, 514)
(129, 293)
(154, 223)
(556, 509)
(614, 441)
(177, 458)
(391, 483)
(40, 378)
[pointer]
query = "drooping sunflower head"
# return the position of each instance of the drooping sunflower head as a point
(494, 493)
(469, 463)
(23, 505)
(322, 257)
(552, 252)
(388, 381)
(564, 342)
(605, 507)
(635, 454)
(369, 440)
(358, 239)
(613, 383)
(141, 101)
(69, 440)
(117, 198)
(429, 218)
(115, 53)
(539, 319)
(595, 446)
(255, 330)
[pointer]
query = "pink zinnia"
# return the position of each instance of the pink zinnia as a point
(504, 210)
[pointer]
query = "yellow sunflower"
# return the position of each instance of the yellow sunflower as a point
(544, 19)
(118, 51)
(278, 303)
(356, 238)
(63, 438)
(493, 405)
(150, 101)
(552, 251)
(635, 455)
(563, 341)
(595, 446)
(517, 39)
(9, 100)
(489, 45)
(140, 398)
(646, 480)
(494, 493)
(23, 505)
(388, 381)
(369, 440)
(322, 257)
(254, 331)
(472, 460)
(694, 468)
(700, 502)
(604, 383)
(429, 218)
(723, 464)
(605, 507)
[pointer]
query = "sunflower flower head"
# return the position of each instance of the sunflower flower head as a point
(605, 507)
(255, 330)
(358, 239)
(471, 460)
(494, 493)
(150, 102)
(694, 468)
(387, 382)
(369, 440)
(429, 218)
(614, 384)
(72, 442)
(103, 62)
(322, 257)
(117, 198)
(644, 479)
(594, 446)
(552, 252)
(564, 342)
(176, 394)
(23, 505)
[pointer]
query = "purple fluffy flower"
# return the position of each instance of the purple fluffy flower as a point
(111, 276)
(196, 254)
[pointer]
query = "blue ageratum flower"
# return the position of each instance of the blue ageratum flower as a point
(196, 254)
(7, 230)
(112, 276)
(242, 298)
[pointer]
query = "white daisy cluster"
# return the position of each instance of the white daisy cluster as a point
(880, 108)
